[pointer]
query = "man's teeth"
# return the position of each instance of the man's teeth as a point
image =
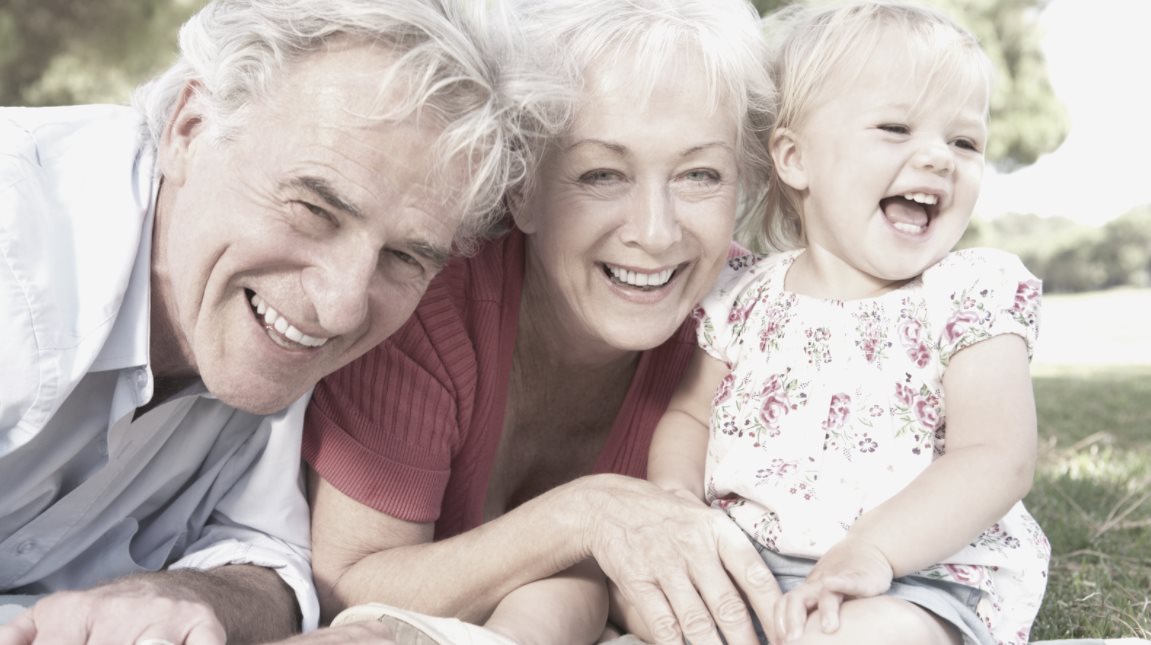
(922, 198)
(637, 279)
(273, 319)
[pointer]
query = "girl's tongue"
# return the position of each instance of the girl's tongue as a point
(905, 214)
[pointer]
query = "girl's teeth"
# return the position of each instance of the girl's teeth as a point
(908, 228)
(922, 198)
(273, 320)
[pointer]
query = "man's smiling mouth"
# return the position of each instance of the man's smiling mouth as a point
(278, 327)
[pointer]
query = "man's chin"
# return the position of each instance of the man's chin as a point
(255, 397)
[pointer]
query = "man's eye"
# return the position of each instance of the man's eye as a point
(895, 128)
(316, 211)
(406, 258)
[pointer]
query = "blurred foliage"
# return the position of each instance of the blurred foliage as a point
(1026, 118)
(73, 51)
(55, 52)
(1072, 257)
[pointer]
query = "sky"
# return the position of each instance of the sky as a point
(1099, 60)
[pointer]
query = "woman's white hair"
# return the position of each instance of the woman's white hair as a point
(649, 38)
(455, 64)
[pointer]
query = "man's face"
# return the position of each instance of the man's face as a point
(300, 243)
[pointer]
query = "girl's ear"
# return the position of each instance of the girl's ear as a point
(185, 125)
(787, 156)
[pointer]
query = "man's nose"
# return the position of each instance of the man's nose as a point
(338, 285)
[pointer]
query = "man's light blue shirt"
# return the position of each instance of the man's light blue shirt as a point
(86, 492)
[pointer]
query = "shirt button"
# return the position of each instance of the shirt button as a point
(141, 377)
(26, 547)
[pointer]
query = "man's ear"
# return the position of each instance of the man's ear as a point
(787, 156)
(185, 125)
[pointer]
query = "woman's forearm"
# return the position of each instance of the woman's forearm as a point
(466, 576)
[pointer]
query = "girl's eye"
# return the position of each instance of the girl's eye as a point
(966, 144)
(895, 128)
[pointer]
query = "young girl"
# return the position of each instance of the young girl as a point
(872, 425)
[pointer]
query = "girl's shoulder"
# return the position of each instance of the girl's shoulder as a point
(975, 266)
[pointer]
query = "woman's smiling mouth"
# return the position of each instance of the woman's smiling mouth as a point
(638, 279)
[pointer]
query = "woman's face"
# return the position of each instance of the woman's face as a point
(632, 215)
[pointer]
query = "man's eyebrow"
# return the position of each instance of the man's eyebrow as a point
(326, 192)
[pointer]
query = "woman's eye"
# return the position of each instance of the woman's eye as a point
(895, 128)
(600, 176)
(702, 176)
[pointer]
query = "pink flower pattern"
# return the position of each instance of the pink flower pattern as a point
(823, 392)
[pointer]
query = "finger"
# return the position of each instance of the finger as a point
(794, 610)
(691, 612)
(727, 608)
(650, 603)
(21, 630)
(749, 572)
(829, 603)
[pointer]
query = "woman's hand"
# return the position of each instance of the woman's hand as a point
(681, 565)
(851, 569)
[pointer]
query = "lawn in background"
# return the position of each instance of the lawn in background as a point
(1092, 493)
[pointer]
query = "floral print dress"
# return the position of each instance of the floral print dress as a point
(832, 407)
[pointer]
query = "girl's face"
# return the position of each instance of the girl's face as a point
(887, 166)
(632, 216)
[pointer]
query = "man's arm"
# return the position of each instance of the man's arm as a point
(233, 604)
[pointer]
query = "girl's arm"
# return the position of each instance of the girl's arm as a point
(988, 466)
(679, 446)
(567, 609)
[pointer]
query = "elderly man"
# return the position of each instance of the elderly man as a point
(175, 279)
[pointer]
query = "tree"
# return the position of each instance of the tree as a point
(1026, 118)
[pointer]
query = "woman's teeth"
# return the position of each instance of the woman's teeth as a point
(637, 279)
(273, 320)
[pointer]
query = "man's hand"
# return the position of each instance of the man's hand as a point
(129, 610)
(686, 569)
(850, 569)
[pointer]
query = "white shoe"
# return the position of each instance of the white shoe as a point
(412, 628)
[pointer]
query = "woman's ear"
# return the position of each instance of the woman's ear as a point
(520, 207)
(787, 156)
(185, 125)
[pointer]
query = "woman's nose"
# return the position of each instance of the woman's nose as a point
(653, 223)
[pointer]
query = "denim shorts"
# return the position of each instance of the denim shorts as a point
(950, 601)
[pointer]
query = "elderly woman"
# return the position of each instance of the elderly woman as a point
(497, 438)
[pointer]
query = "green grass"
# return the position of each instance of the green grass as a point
(1092, 493)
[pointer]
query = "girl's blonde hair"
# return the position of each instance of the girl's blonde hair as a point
(814, 50)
